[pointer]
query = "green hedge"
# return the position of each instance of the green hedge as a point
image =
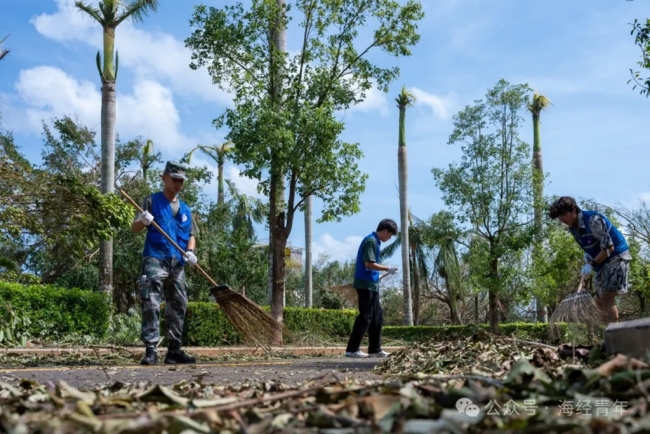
(524, 331)
(206, 325)
(55, 311)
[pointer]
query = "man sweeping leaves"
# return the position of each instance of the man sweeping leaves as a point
(606, 251)
(163, 265)
(366, 283)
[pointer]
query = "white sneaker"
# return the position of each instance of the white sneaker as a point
(380, 355)
(356, 355)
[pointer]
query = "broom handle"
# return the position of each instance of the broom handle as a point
(582, 280)
(155, 225)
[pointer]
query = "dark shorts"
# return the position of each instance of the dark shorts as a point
(613, 277)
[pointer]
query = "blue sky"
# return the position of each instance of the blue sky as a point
(578, 54)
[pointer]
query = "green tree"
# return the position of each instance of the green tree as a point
(53, 218)
(283, 121)
(537, 104)
(491, 188)
(404, 100)
(641, 32)
(110, 14)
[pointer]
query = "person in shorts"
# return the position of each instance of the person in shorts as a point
(606, 251)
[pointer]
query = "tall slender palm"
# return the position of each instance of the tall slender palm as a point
(309, 290)
(219, 155)
(538, 103)
(404, 100)
(110, 14)
(248, 210)
(147, 158)
(418, 258)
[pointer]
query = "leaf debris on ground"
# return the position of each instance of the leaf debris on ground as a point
(489, 386)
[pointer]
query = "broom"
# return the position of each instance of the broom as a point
(347, 291)
(579, 307)
(249, 320)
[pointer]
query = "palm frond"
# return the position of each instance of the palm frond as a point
(538, 103)
(405, 98)
(94, 12)
(390, 250)
(137, 10)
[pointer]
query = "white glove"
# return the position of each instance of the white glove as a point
(587, 258)
(190, 257)
(145, 218)
(586, 270)
(391, 270)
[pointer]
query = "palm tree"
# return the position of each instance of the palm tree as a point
(147, 158)
(418, 258)
(3, 52)
(404, 100)
(109, 15)
(248, 210)
(219, 155)
(538, 103)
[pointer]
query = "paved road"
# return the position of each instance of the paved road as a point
(288, 372)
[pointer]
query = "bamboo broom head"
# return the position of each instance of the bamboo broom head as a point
(346, 292)
(580, 308)
(252, 323)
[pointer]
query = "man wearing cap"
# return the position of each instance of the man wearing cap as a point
(162, 265)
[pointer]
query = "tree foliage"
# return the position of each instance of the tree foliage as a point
(641, 33)
(490, 189)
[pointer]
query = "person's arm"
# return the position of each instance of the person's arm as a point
(191, 244)
(369, 258)
(601, 233)
(137, 226)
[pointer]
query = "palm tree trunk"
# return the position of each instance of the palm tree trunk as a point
(220, 194)
(107, 179)
(308, 252)
(538, 199)
(415, 269)
(404, 222)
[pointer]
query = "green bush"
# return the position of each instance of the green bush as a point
(55, 311)
(206, 325)
(524, 331)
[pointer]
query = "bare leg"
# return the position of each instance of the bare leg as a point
(607, 302)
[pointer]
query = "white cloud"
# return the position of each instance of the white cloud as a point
(375, 100)
(152, 55)
(49, 92)
(244, 184)
(337, 250)
(441, 106)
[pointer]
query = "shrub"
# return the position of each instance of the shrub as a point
(55, 311)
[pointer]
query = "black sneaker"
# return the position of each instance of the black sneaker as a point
(178, 356)
(150, 357)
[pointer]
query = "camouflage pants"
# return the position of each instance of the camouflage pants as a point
(162, 278)
(613, 277)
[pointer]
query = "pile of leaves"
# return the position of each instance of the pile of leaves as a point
(481, 353)
(526, 399)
